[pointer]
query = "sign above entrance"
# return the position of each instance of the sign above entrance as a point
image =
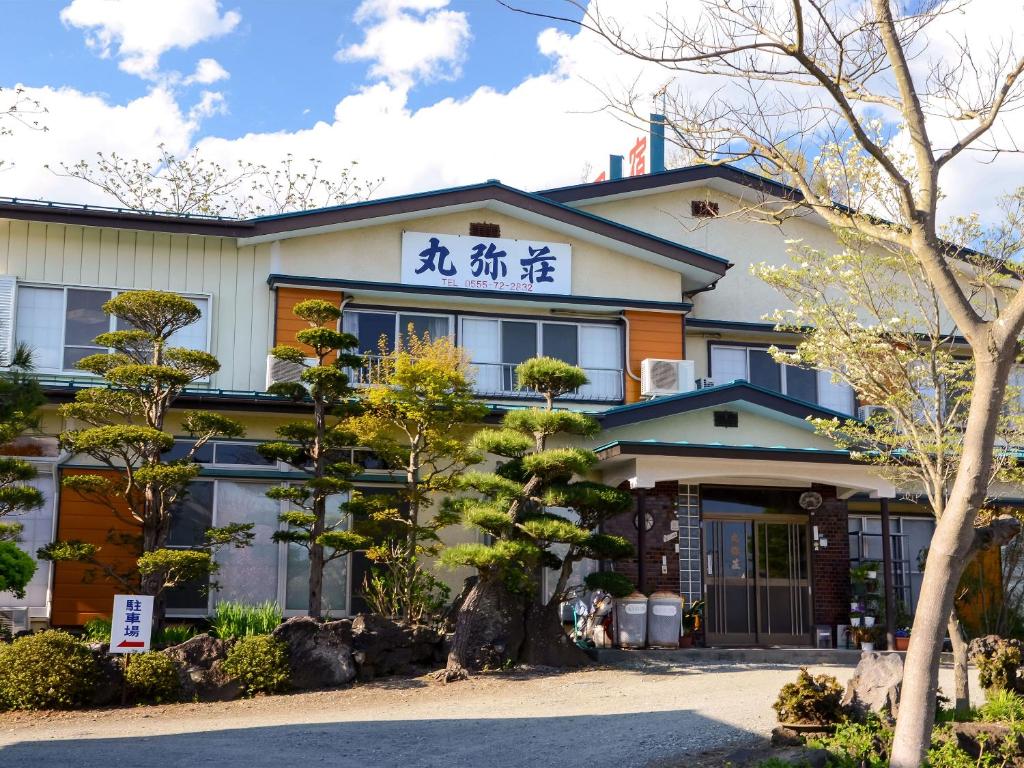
(486, 263)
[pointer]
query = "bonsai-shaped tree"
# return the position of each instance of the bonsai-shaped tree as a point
(505, 618)
(418, 411)
(20, 399)
(314, 445)
(127, 433)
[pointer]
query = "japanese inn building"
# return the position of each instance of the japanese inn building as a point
(642, 281)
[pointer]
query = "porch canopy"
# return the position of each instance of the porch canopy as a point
(643, 463)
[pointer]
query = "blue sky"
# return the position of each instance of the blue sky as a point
(281, 58)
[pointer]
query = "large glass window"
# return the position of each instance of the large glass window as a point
(61, 324)
(370, 327)
(37, 531)
(909, 540)
(754, 364)
(248, 574)
(190, 518)
(335, 584)
(497, 346)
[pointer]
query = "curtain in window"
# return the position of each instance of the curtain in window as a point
(249, 574)
(835, 395)
(728, 364)
(40, 324)
(481, 340)
(193, 336)
(600, 349)
(431, 325)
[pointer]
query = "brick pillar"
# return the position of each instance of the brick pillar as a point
(830, 567)
(659, 503)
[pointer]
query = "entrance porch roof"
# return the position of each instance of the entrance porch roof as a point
(644, 463)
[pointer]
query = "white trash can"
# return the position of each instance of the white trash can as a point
(631, 621)
(664, 620)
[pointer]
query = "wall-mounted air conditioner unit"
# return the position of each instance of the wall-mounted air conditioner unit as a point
(279, 371)
(865, 412)
(14, 620)
(704, 383)
(665, 377)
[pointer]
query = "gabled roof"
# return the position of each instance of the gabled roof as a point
(736, 392)
(701, 268)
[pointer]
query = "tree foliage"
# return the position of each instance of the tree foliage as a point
(122, 425)
(418, 409)
(196, 184)
(317, 446)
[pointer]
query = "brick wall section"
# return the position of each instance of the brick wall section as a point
(660, 502)
(830, 567)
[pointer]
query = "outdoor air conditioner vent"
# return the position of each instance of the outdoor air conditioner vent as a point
(704, 383)
(665, 377)
(865, 412)
(14, 620)
(281, 371)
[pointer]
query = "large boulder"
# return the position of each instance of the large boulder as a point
(319, 654)
(385, 647)
(200, 662)
(875, 685)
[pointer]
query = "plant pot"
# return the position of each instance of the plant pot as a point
(872, 575)
(869, 621)
(854, 606)
(867, 646)
(901, 643)
(855, 621)
(686, 641)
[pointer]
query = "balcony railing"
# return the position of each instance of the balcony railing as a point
(499, 380)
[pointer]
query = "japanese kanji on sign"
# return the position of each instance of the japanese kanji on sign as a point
(486, 263)
(132, 623)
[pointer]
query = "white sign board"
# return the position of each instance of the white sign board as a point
(132, 624)
(486, 263)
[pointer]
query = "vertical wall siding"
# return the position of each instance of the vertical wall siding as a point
(235, 279)
(77, 597)
(655, 335)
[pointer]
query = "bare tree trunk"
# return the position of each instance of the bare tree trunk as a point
(489, 629)
(961, 685)
(547, 644)
(948, 554)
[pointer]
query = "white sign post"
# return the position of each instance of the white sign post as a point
(475, 263)
(132, 623)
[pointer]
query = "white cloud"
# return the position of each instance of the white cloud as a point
(207, 71)
(138, 33)
(410, 40)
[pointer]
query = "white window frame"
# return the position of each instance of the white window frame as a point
(398, 313)
(539, 336)
(282, 557)
(64, 288)
(783, 375)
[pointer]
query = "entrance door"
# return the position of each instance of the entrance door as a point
(757, 582)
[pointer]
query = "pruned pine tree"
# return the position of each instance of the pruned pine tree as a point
(316, 445)
(124, 428)
(20, 399)
(870, 315)
(505, 618)
(419, 409)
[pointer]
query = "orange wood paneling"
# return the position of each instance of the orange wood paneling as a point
(981, 592)
(286, 324)
(77, 597)
(651, 334)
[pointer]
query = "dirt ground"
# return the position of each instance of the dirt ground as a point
(653, 715)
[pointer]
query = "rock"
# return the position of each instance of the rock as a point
(319, 654)
(786, 737)
(875, 685)
(111, 683)
(385, 647)
(200, 661)
(981, 738)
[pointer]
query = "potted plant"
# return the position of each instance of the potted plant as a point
(864, 637)
(691, 623)
(856, 616)
(870, 570)
(901, 639)
(869, 621)
(854, 606)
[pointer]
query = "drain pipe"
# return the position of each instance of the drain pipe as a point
(629, 371)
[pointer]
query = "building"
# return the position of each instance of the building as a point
(741, 502)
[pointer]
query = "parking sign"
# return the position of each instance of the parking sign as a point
(132, 623)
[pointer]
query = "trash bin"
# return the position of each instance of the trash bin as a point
(631, 620)
(664, 620)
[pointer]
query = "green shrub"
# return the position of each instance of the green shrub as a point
(96, 631)
(812, 699)
(259, 663)
(615, 584)
(173, 634)
(16, 569)
(233, 620)
(857, 745)
(998, 661)
(47, 670)
(153, 678)
(1003, 706)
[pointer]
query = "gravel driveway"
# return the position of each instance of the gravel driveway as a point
(652, 714)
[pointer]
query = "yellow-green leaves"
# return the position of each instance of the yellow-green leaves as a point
(550, 377)
(317, 311)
